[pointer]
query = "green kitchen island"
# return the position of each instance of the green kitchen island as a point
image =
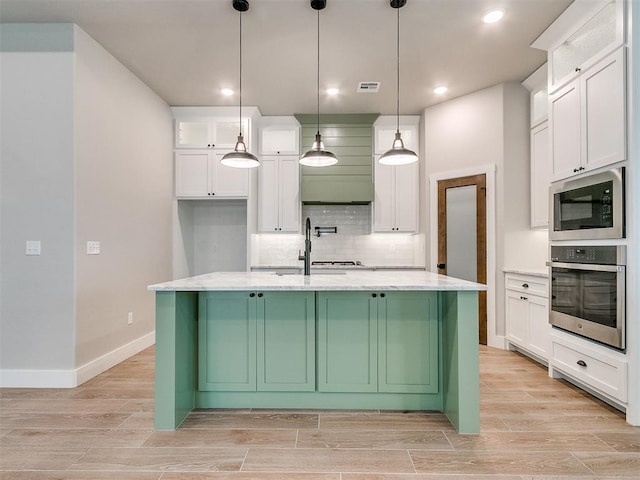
(395, 340)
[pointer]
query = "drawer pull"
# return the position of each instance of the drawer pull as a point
(525, 285)
(582, 363)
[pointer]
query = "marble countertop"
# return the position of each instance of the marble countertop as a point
(344, 280)
(337, 267)
(534, 272)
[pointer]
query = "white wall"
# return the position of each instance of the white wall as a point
(86, 155)
(124, 190)
(36, 203)
(490, 128)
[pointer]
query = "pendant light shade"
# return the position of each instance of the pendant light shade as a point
(318, 156)
(240, 157)
(398, 154)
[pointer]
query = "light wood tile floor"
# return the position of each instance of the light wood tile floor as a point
(533, 428)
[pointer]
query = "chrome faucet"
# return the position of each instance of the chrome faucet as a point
(307, 249)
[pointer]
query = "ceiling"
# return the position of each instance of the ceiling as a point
(187, 50)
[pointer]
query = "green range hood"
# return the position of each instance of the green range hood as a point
(349, 137)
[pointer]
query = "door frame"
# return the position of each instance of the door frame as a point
(493, 339)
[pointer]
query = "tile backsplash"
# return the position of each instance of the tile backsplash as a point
(372, 250)
(349, 219)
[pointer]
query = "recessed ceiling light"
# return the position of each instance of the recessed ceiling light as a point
(227, 92)
(333, 91)
(440, 90)
(493, 16)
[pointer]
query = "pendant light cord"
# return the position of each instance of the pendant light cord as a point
(398, 72)
(240, 126)
(318, 77)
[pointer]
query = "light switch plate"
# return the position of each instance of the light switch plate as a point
(93, 248)
(33, 247)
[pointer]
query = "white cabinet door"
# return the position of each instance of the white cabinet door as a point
(199, 174)
(289, 194)
(516, 316)
(225, 132)
(193, 133)
(406, 197)
(539, 328)
(604, 119)
(192, 177)
(268, 204)
(279, 195)
(384, 205)
(565, 130)
(210, 132)
(385, 135)
(228, 181)
(280, 140)
(540, 176)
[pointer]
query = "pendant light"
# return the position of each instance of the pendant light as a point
(240, 157)
(398, 155)
(318, 156)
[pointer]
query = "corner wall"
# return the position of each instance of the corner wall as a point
(124, 190)
(85, 155)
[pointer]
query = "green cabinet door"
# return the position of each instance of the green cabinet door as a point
(227, 341)
(408, 342)
(286, 341)
(347, 342)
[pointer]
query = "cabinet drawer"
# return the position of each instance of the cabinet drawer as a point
(525, 284)
(599, 370)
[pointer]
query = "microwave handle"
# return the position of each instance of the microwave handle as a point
(589, 266)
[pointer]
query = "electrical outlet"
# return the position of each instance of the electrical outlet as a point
(93, 248)
(33, 247)
(130, 318)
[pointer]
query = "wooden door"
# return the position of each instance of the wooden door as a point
(479, 240)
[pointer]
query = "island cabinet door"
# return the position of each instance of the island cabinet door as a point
(227, 341)
(347, 342)
(408, 342)
(286, 342)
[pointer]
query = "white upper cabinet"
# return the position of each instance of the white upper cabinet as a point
(540, 175)
(199, 174)
(279, 194)
(396, 198)
(279, 136)
(603, 89)
(602, 30)
(209, 132)
(588, 119)
(279, 175)
(540, 157)
(384, 132)
(536, 83)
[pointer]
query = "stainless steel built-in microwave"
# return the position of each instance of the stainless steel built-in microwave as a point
(588, 208)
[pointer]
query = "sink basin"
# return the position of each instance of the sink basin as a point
(280, 274)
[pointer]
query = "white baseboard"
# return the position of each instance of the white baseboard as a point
(73, 378)
(497, 341)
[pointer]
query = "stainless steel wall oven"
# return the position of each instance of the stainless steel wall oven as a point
(588, 292)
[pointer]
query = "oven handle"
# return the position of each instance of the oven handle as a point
(584, 266)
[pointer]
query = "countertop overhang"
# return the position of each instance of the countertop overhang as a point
(348, 280)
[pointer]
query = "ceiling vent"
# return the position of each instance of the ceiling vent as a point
(368, 87)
